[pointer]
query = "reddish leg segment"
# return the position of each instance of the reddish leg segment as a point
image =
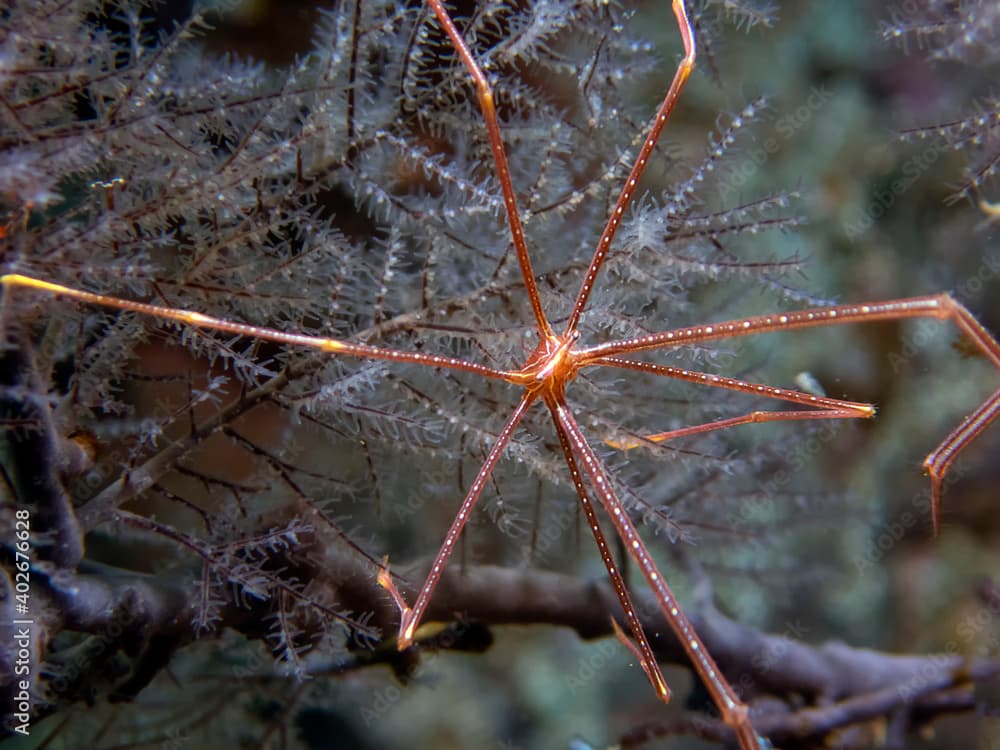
(939, 306)
(197, 319)
(485, 94)
(734, 712)
(641, 649)
(410, 616)
(628, 191)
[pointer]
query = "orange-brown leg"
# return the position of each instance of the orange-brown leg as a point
(733, 711)
(939, 460)
(197, 319)
(681, 76)
(823, 407)
(939, 306)
(641, 649)
(485, 94)
(410, 617)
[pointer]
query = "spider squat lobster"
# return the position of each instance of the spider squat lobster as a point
(559, 358)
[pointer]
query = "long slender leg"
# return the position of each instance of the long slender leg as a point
(939, 306)
(628, 192)
(734, 712)
(410, 616)
(485, 94)
(941, 458)
(825, 408)
(641, 650)
(754, 417)
(334, 346)
(743, 386)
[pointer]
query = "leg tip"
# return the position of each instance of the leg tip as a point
(406, 625)
(937, 486)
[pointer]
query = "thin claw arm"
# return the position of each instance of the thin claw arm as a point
(188, 317)
(754, 417)
(936, 464)
(940, 306)
(628, 192)
(743, 386)
(641, 649)
(734, 712)
(653, 673)
(941, 458)
(410, 616)
(485, 94)
(975, 330)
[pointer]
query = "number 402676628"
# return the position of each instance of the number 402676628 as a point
(561, 355)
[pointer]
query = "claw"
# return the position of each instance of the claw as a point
(406, 620)
(653, 675)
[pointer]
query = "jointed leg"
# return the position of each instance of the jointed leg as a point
(681, 76)
(641, 649)
(754, 417)
(410, 616)
(485, 94)
(189, 317)
(734, 711)
(939, 306)
(941, 458)
(825, 408)
(743, 386)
